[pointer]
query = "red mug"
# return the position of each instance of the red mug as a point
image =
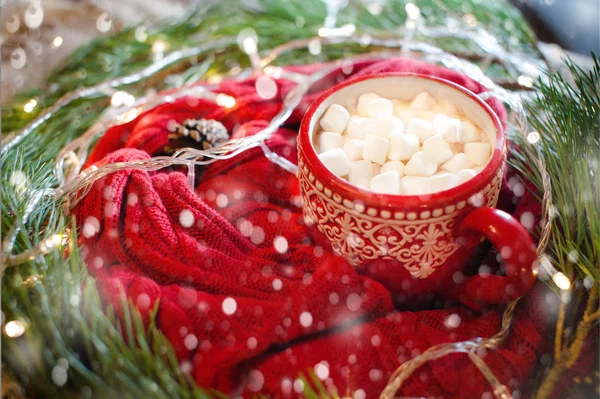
(417, 246)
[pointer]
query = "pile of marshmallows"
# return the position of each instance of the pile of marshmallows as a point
(400, 147)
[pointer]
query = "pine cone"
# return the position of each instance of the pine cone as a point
(206, 132)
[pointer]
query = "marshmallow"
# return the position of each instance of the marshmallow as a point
(393, 165)
(437, 149)
(405, 114)
(467, 132)
(446, 109)
(376, 168)
(379, 107)
(423, 101)
(330, 141)
(466, 175)
(335, 119)
(478, 153)
(402, 147)
(456, 147)
(400, 105)
(388, 126)
(360, 173)
(386, 183)
(376, 148)
(421, 128)
(336, 161)
(354, 149)
(425, 115)
(355, 129)
(417, 139)
(420, 165)
(447, 127)
(363, 101)
(413, 185)
(359, 127)
(442, 181)
(457, 163)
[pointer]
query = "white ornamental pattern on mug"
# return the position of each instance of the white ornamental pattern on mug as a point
(421, 242)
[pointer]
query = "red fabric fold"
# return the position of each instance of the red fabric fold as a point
(246, 297)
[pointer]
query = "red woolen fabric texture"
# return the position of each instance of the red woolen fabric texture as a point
(245, 314)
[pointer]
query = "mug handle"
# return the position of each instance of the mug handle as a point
(516, 248)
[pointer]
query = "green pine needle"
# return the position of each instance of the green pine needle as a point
(567, 116)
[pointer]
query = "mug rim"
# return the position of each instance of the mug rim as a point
(348, 190)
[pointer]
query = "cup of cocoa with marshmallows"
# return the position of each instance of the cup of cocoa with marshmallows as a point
(401, 173)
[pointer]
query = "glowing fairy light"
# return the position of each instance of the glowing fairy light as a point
(12, 25)
(104, 22)
(140, 34)
(30, 105)
(412, 10)
(410, 26)
(158, 49)
(314, 47)
(18, 58)
(226, 101)
(120, 98)
(374, 8)
(344, 30)
(273, 72)
(34, 15)
(525, 81)
(57, 42)
(249, 45)
(561, 281)
(51, 242)
(215, 79)
(470, 20)
(128, 115)
(14, 328)
(533, 137)
(248, 40)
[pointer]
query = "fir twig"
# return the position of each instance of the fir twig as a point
(567, 119)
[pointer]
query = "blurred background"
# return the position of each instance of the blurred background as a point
(38, 34)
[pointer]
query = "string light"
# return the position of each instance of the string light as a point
(14, 328)
(120, 98)
(561, 281)
(159, 46)
(470, 20)
(412, 10)
(533, 137)
(50, 243)
(103, 23)
(342, 31)
(57, 42)
(30, 105)
(248, 40)
(140, 34)
(224, 100)
(34, 15)
(525, 81)
(128, 115)
(12, 25)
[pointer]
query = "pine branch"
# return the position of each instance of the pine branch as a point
(566, 118)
